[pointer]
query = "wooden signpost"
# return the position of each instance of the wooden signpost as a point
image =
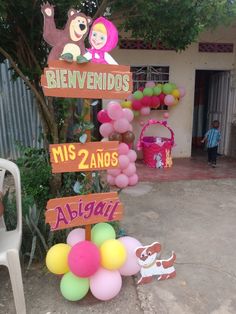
(88, 209)
(73, 157)
(79, 210)
(90, 80)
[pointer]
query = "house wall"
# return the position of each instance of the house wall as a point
(182, 66)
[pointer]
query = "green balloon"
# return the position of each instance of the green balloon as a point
(74, 288)
(174, 86)
(138, 95)
(157, 90)
(102, 232)
(167, 88)
(148, 91)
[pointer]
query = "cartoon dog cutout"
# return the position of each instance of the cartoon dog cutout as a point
(152, 265)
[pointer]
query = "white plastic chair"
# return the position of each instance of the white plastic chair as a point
(10, 241)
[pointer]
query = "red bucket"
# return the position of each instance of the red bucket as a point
(156, 150)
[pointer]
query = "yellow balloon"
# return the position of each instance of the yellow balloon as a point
(176, 93)
(56, 259)
(113, 254)
(126, 104)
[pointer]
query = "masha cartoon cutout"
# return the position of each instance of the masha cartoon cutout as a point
(103, 37)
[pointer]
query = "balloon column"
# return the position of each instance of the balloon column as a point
(152, 96)
(96, 265)
(116, 126)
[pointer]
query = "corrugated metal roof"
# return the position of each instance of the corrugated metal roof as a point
(19, 118)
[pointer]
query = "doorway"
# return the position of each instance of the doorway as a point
(210, 103)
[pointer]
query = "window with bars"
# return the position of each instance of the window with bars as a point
(143, 74)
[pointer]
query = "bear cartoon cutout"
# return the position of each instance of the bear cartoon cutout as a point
(103, 37)
(68, 43)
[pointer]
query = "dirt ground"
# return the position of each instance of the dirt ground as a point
(196, 219)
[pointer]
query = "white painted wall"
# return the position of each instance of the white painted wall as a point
(182, 72)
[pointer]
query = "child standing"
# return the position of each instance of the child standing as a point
(212, 137)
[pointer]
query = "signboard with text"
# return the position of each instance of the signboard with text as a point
(82, 210)
(88, 80)
(74, 157)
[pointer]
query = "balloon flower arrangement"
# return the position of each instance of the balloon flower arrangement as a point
(153, 96)
(116, 126)
(97, 265)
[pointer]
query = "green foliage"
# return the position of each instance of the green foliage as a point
(80, 125)
(36, 174)
(175, 23)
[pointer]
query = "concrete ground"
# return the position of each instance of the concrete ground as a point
(196, 219)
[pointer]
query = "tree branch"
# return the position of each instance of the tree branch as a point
(28, 47)
(64, 129)
(101, 9)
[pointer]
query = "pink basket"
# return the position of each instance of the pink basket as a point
(156, 150)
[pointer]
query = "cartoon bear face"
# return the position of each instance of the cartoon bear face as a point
(78, 26)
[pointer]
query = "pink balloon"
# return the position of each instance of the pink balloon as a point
(114, 110)
(84, 259)
(114, 172)
(132, 155)
(169, 100)
(106, 129)
(128, 114)
(136, 104)
(145, 111)
(145, 101)
(133, 180)
(130, 170)
(155, 102)
(121, 181)
(131, 266)
(150, 84)
(103, 116)
(182, 91)
(150, 101)
(123, 161)
(123, 149)
(110, 179)
(130, 128)
(121, 125)
(105, 284)
(76, 235)
(162, 97)
(166, 115)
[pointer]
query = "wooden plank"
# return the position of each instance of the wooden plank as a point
(82, 210)
(75, 157)
(90, 80)
(86, 103)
